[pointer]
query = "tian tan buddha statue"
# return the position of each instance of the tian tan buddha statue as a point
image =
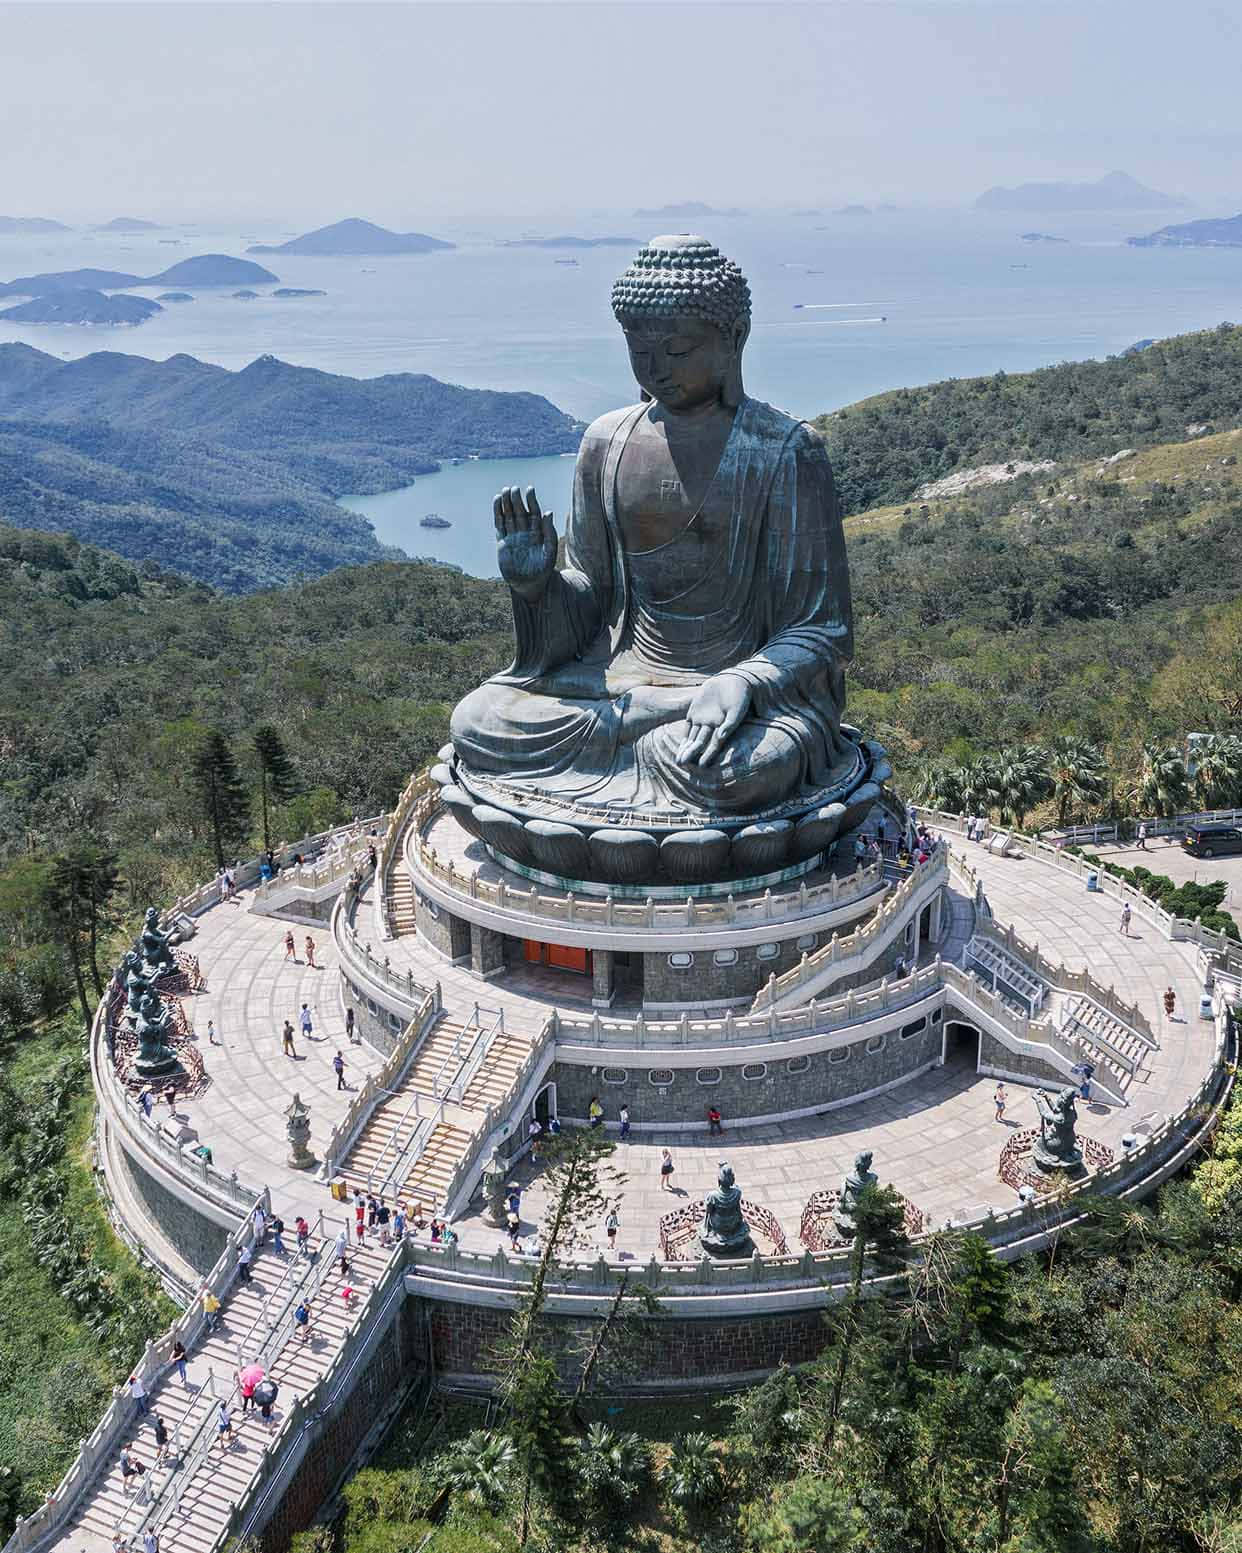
(679, 672)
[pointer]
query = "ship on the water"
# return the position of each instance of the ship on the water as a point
(434, 520)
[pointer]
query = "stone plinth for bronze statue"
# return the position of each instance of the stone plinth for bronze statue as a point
(672, 713)
(724, 1232)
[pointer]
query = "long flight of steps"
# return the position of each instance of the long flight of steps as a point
(399, 901)
(1115, 1049)
(210, 1492)
(374, 1153)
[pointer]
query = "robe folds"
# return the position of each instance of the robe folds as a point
(593, 707)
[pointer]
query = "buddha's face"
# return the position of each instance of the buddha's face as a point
(683, 363)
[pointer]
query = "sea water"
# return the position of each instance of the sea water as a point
(888, 299)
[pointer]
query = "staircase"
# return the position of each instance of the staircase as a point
(399, 901)
(1011, 979)
(428, 1177)
(390, 1127)
(189, 1499)
(1115, 1049)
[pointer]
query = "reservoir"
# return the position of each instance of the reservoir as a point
(463, 494)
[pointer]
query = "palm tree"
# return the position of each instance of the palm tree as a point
(480, 1468)
(1022, 780)
(691, 1475)
(1162, 786)
(1218, 771)
(936, 785)
(978, 786)
(612, 1469)
(1076, 771)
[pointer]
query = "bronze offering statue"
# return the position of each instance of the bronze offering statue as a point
(154, 1026)
(1057, 1148)
(844, 1216)
(724, 1232)
(155, 946)
(679, 678)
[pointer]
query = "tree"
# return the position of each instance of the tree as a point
(808, 1515)
(278, 780)
(1162, 787)
(82, 884)
(223, 798)
(1022, 780)
(1218, 771)
(1077, 776)
(480, 1468)
(977, 786)
(611, 1470)
(691, 1475)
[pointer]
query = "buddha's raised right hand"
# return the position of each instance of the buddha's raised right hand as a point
(526, 542)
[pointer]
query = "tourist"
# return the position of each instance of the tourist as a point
(305, 1020)
(150, 1541)
(534, 1132)
(302, 1316)
(130, 1467)
(611, 1225)
(398, 1223)
(291, 948)
(138, 1394)
(513, 1198)
(713, 1121)
(360, 1219)
(624, 1117)
(998, 1100)
(338, 1251)
(302, 1229)
(144, 1100)
(244, 1258)
(347, 1295)
(177, 1360)
(666, 1169)
(230, 878)
(224, 1424)
(1125, 919)
(448, 1234)
(595, 1113)
(1170, 1002)
(247, 1380)
(860, 849)
(1142, 836)
(1088, 1073)
(349, 1025)
(278, 1229)
(310, 952)
(222, 885)
(170, 1094)
(287, 1038)
(515, 1231)
(211, 1310)
(211, 1033)
(259, 1220)
(437, 1230)
(338, 1067)
(554, 1126)
(372, 1209)
(382, 1218)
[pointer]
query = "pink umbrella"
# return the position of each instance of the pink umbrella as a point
(250, 1377)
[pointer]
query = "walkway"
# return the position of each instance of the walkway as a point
(216, 1482)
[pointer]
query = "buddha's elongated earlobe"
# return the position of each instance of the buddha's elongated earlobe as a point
(731, 390)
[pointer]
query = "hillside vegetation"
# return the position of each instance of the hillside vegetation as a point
(884, 448)
(230, 476)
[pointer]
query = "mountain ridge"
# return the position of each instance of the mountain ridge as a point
(354, 238)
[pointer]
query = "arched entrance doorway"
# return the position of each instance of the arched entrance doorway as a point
(961, 1045)
(544, 1107)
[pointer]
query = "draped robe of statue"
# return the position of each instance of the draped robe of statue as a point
(608, 659)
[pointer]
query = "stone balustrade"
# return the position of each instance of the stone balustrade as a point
(784, 903)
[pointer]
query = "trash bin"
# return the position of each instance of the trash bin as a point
(340, 1189)
(1205, 1007)
(1093, 881)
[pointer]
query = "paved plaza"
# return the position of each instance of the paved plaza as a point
(935, 1138)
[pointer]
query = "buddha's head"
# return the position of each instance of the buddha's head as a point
(685, 312)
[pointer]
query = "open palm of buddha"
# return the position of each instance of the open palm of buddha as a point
(687, 655)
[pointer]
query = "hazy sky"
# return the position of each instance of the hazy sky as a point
(424, 115)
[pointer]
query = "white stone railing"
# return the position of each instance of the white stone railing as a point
(371, 969)
(343, 853)
(785, 903)
(390, 850)
(1166, 826)
(203, 1180)
(248, 873)
(868, 939)
(100, 1448)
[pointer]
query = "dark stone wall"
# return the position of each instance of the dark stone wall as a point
(993, 1055)
(442, 930)
(199, 1239)
(372, 1022)
(758, 1089)
(677, 1354)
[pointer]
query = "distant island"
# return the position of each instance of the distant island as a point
(68, 280)
(1221, 232)
(213, 269)
(82, 307)
(853, 210)
(231, 476)
(17, 226)
(245, 296)
(128, 224)
(1114, 191)
(1041, 237)
(569, 242)
(688, 210)
(352, 239)
(174, 296)
(298, 291)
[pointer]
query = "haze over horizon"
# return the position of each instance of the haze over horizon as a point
(461, 115)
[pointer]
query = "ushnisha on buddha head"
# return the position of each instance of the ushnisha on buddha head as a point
(685, 311)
